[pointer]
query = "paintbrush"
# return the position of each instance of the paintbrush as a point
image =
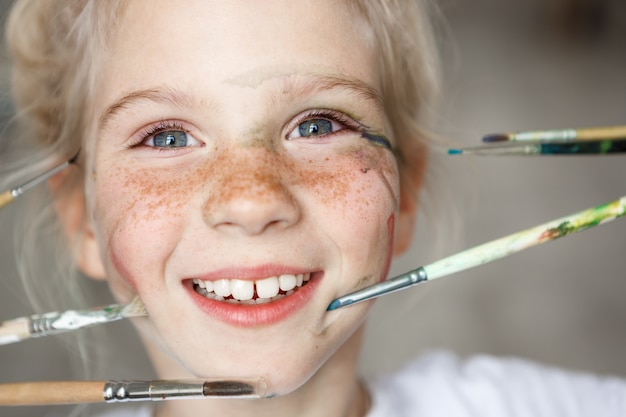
(79, 392)
(593, 133)
(586, 147)
(8, 196)
(48, 324)
(489, 252)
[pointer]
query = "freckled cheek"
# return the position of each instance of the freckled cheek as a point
(139, 221)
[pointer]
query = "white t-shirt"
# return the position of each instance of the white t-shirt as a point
(442, 385)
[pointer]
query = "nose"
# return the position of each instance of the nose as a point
(250, 199)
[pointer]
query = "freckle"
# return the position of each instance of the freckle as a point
(364, 170)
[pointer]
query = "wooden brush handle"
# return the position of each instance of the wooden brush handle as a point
(12, 331)
(5, 198)
(57, 392)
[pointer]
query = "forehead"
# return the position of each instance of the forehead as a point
(244, 43)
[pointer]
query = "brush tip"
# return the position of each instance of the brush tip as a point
(334, 305)
(135, 308)
(496, 137)
(75, 157)
(455, 151)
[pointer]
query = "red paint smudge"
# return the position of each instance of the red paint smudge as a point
(391, 224)
(122, 270)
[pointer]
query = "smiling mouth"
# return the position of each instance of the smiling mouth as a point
(261, 291)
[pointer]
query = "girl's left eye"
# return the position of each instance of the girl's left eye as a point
(318, 125)
(169, 139)
(315, 127)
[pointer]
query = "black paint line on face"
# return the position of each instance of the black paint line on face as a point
(377, 140)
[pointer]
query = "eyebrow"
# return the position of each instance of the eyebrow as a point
(164, 95)
(303, 85)
(296, 85)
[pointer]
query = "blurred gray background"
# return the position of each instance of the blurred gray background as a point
(509, 65)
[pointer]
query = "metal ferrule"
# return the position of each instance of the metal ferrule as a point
(43, 325)
(565, 134)
(124, 391)
(391, 285)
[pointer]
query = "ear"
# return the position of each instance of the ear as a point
(412, 166)
(69, 204)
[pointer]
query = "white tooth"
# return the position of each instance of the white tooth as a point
(208, 285)
(199, 282)
(262, 300)
(287, 282)
(241, 289)
(299, 279)
(307, 276)
(267, 287)
(221, 287)
(288, 293)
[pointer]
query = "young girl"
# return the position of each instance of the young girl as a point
(243, 164)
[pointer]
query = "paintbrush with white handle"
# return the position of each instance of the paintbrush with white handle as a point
(47, 324)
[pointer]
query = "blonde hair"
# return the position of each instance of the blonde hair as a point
(57, 47)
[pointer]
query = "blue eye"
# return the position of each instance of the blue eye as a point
(170, 139)
(315, 127)
(318, 124)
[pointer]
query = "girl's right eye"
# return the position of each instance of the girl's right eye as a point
(166, 136)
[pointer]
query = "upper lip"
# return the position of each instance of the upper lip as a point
(251, 273)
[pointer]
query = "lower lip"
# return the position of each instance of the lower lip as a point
(244, 315)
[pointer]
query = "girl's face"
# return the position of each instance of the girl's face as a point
(239, 181)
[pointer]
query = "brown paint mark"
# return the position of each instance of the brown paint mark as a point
(255, 173)
(363, 282)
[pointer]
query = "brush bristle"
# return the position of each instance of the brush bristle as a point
(496, 137)
(135, 308)
(455, 151)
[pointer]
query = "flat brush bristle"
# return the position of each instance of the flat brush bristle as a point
(496, 137)
(135, 308)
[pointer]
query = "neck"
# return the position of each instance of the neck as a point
(334, 391)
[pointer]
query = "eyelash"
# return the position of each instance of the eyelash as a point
(155, 129)
(333, 116)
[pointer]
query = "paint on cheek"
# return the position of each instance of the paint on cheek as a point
(258, 175)
(379, 140)
(391, 225)
(155, 193)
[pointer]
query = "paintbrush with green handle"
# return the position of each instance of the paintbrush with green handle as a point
(489, 252)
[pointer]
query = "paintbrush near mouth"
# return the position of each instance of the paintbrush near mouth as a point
(489, 252)
(81, 392)
(47, 324)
